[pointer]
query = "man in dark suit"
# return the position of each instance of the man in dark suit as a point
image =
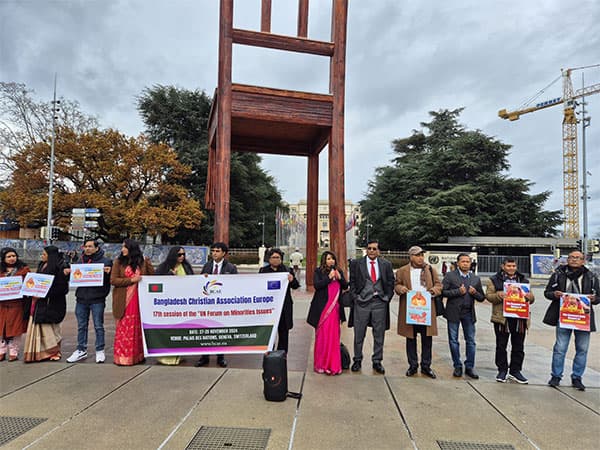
(217, 265)
(462, 287)
(372, 288)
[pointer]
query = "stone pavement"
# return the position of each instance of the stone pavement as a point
(88, 405)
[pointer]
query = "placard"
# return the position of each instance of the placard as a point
(10, 288)
(36, 284)
(515, 304)
(83, 275)
(418, 308)
(575, 312)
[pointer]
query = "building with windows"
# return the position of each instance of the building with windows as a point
(352, 213)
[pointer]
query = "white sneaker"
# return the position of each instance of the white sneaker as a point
(77, 355)
(100, 357)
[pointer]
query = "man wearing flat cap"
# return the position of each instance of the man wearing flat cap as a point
(417, 275)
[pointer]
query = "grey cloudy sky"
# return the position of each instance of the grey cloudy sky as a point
(404, 58)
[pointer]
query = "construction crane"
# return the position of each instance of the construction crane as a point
(569, 134)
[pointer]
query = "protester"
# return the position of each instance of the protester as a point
(508, 327)
(326, 313)
(462, 287)
(372, 288)
(91, 299)
(218, 266)
(286, 321)
(12, 323)
(45, 314)
(417, 276)
(575, 278)
(175, 264)
(128, 269)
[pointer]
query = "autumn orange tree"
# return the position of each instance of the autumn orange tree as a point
(134, 184)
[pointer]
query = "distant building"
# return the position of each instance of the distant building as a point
(351, 210)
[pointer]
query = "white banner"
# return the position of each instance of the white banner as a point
(87, 275)
(36, 284)
(199, 314)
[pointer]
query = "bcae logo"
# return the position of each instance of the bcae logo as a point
(212, 287)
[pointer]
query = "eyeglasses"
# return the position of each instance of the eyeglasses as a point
(372, 248)
(575, 257)
(180, 254)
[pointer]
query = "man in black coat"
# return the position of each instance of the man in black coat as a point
(217, 265)
(372, 288)
(462, 287)
(573, 277)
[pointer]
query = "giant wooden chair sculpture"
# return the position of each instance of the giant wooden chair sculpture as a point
(265, 120)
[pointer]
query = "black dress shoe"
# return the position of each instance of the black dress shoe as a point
(428, 372)
(377, 367)
(411, 371)
(221, 361)
(471, 373)
(356, 366)
(203, 361)
(457, 372)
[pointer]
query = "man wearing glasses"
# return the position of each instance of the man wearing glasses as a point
(372, 287)
(573, 277)
(218, 265)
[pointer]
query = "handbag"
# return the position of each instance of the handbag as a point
(440, 309)
(345, 356)
(346, 299)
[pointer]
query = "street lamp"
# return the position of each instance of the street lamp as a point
(263, 230)
(55, 109)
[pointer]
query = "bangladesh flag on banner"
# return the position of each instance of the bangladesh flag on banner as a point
(155, 287)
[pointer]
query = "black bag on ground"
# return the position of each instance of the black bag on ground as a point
(275, 376)
(345, 356)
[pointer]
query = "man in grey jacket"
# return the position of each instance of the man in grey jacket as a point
(372, 288)
(462, 287)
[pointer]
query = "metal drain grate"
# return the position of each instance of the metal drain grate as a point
(230, 438)
(13, 427)
(457, 445)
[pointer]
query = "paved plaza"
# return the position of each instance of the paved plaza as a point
(88, 406)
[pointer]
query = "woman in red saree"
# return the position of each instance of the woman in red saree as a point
(326, 313)
(126, 273)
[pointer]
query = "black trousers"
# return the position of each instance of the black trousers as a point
(517, 339)
(283, 337)
(411, 348)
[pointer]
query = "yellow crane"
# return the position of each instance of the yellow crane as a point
(569, 127)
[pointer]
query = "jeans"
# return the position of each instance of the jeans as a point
(468, 327)
(82, 312)
(582, 342)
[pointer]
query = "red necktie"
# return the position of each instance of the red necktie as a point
(216, 269)
(373, 273)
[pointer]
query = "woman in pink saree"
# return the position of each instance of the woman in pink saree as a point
(126, 273)
(326, 313)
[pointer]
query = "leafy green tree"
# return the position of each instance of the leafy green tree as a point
(448, 181)
(179, 118)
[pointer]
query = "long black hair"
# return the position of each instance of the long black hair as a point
(55, 262)
(135, 257)
(171, 261)
(5, 251)
(323, 266)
